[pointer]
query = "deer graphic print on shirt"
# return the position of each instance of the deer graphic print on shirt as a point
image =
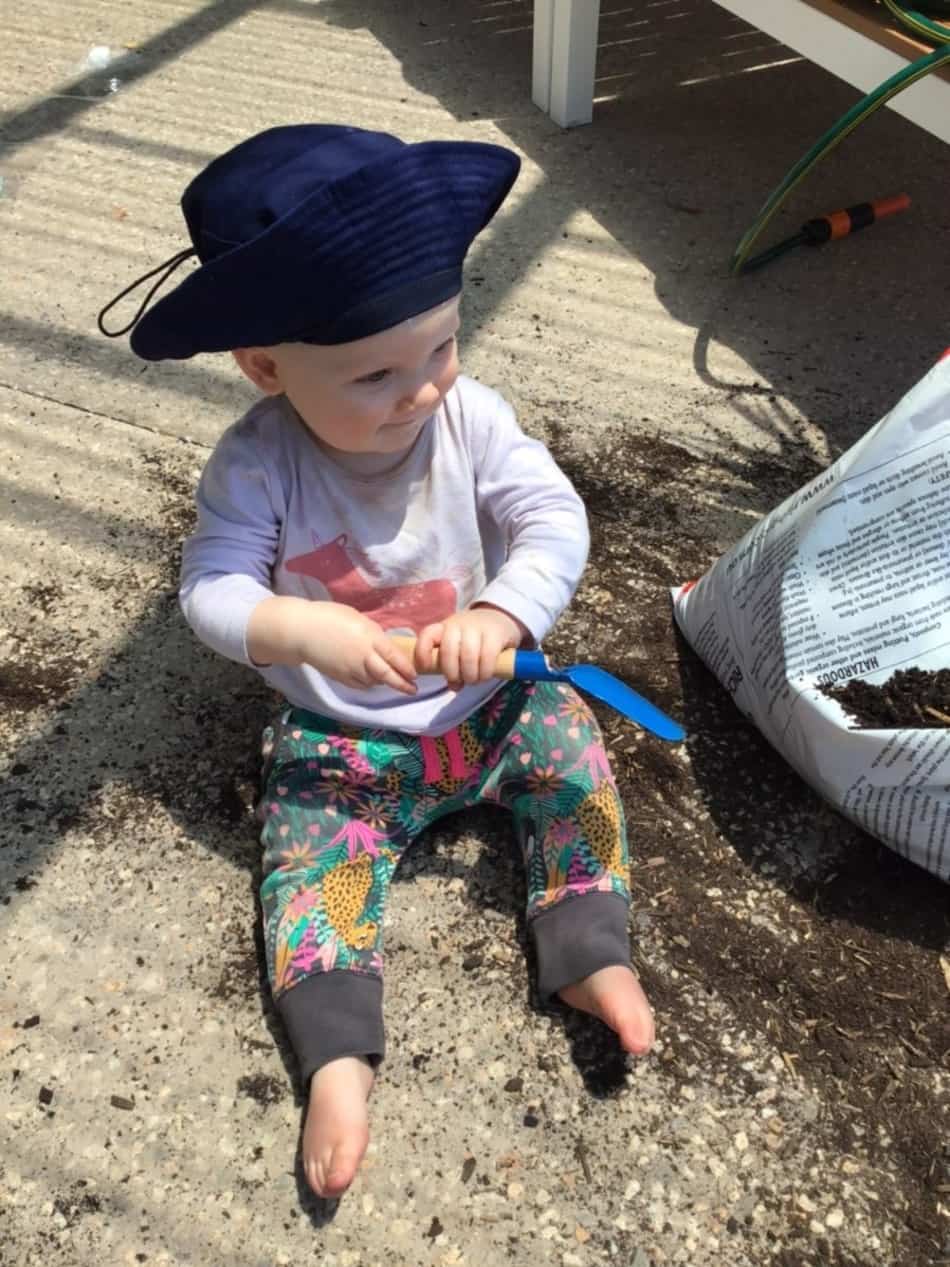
(411, 606)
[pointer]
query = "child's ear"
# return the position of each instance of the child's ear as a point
(259, 366)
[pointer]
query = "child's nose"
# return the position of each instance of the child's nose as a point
(423, 396)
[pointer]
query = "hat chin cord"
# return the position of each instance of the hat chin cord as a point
(166, 269)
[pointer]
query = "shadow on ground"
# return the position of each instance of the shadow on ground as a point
(698, 117)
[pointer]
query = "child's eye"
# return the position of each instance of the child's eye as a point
(380, 376)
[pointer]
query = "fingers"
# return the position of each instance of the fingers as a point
(490, 652)
(426, 643)
(467, 655)
(470, 655)
(449, 654)
(462, 649)
(397, 660)
(386, 665)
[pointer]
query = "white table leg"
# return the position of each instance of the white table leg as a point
(564, 57)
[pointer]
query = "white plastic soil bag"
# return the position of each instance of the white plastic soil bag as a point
(848, 578)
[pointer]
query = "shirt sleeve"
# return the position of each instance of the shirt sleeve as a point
(227, 562)
(523, 490)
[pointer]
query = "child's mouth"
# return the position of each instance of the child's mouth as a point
(407, 422)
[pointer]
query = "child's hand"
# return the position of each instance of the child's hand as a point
(337, 640)
(468, 644)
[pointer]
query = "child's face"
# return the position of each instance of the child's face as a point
(369, 396)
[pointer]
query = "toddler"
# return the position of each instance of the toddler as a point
(372, 490)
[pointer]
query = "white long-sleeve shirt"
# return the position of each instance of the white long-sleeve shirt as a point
(474, 511)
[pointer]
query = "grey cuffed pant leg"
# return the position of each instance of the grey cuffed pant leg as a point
(334, 1014)
(577, 937)
(340, 1013)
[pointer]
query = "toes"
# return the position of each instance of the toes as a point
(315, 1177)
(329, 1179)
(336, 1185)
(341, 1171)
(329, 1183)
(637, 1038)
(330, 1172)
(636, 1032)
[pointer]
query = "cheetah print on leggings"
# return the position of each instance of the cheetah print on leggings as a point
(472, 753)
(345, 890)
(599, 818)
(472, 746)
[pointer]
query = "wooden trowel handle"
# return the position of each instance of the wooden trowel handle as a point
(504, 665)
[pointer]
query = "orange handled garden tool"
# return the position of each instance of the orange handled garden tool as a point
(838, 224)
(533, 666)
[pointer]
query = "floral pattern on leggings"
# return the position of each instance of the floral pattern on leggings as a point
(341, 805)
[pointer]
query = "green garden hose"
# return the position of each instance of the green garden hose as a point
(933, 32)
(914, 21)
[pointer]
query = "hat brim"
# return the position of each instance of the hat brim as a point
(393, 235)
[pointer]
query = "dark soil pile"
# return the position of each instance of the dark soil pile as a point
(910, 697)
(856, 1002)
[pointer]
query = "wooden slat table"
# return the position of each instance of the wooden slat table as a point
(854, 39)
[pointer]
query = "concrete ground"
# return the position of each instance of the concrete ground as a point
(150, 1112)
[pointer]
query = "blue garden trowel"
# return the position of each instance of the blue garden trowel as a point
(532, 666)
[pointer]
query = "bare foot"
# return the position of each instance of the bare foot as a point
(336, 1132)
(614, 996)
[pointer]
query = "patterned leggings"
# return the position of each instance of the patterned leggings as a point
(341, 805)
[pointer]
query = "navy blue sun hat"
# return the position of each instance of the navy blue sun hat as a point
(319, 233)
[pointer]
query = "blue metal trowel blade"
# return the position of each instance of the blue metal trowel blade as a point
(605, 687)
(610, 690)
